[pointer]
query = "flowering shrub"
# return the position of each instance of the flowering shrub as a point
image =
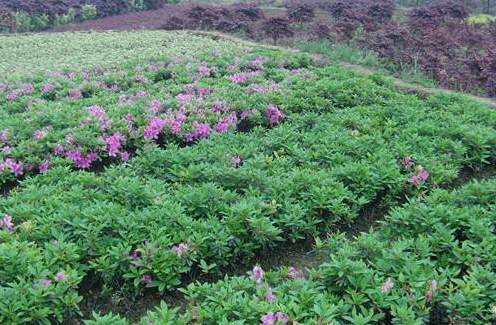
(216, 170)
(430, 261)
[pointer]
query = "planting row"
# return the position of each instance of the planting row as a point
(431, 262)
(167, 213)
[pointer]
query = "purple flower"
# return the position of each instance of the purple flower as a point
(203, 71)
(232, 68)
(270, 297)
(433, 285)
(3, 87)
(60, 277)
(75, 94)
(407, 162)
(146, 279)
(44, 166)
(387, 286)
(7, 223)
(274, 115)
(181, 249)
(257, 274)
(7, 150)
(39, 134)
(429, 295)
(201, 130)
(414, 180)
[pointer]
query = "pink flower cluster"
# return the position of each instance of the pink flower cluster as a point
(47, 88)
(387, 286)
(114, 143)
(274, 115)
(421, 176)
(223, 125)
(6, 223)
(201, 131)
(16, 168)
(79, 160)
(430, 291)
(181, 249)
(75, 94)
(242, 77)
(257, 63)
(294, 273)
(271, 318)
(39, 134)
(154, 127)
(257, 274)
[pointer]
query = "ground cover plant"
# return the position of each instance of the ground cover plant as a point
(136, 177)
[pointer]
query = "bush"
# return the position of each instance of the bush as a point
(277, 28)
(88, 12)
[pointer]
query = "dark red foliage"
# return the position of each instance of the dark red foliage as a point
(277, 28)
(301, 13)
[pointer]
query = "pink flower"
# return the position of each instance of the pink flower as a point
(257, 62)
(270, 297)
(3, 87)
(181, 249)
(146, 279)
(433, 285)
(203, 71)
(232, 68)
(7, 223)
(236, 161)
(47, 88)
(387, 286)
(414, 180)
(184, 99)
(27, 89)
(46, 283)
(4, 135)
(17, 168)
(124, 156)
(44, 166)
(155, 106)
(238, 78)
(423, 174)
(429, 295)
(96, 111)
(75, 94)
(7, 150)
(58, 150)
(135, 255)
(407, 162)
(257, 274)
(201, 130)
(39, 134)
(12, 96)
(114, 144)
(294, 273)
(60, 277)
(282, 317)
(274, 115)
(155, 126)
(268, 319)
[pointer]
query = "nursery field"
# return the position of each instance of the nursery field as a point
(152, 165)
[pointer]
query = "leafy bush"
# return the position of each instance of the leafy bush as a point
(88, 12)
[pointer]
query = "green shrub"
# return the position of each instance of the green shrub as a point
(88, 12)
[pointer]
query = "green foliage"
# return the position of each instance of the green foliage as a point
(88, 12)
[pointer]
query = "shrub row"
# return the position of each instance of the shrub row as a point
(431, 261)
